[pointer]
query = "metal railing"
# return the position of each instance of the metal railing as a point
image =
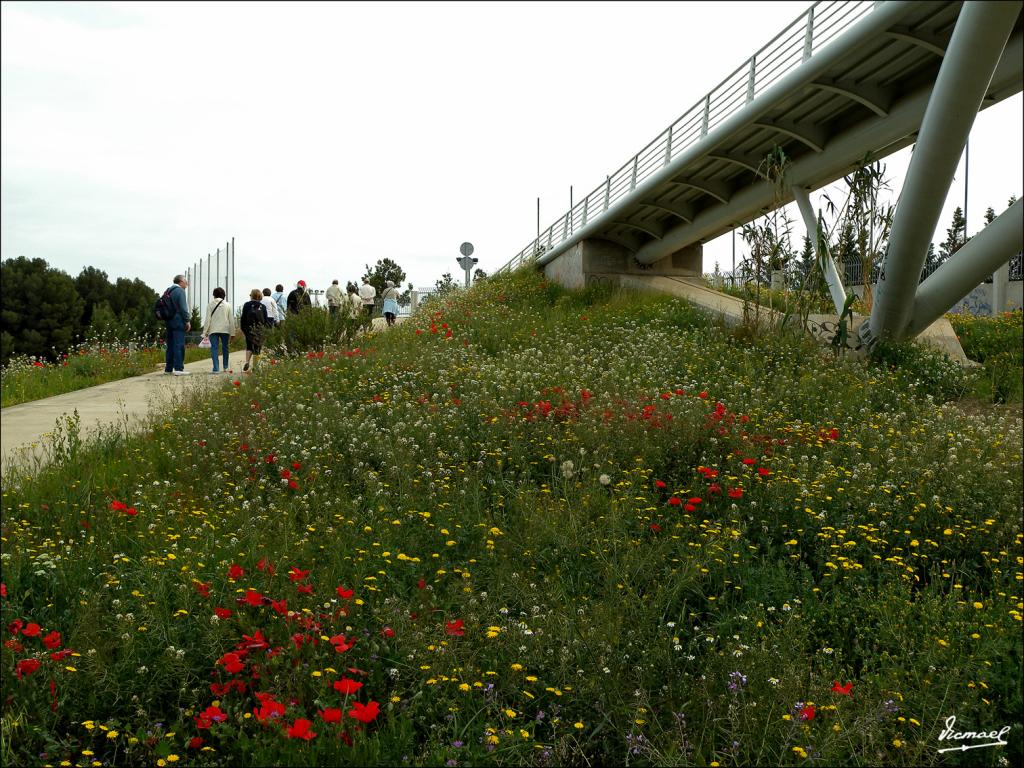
(808, 34)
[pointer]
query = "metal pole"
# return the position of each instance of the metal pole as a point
(571, 222)
(233, 286)
(967, 163)
(218, 266)
(970, 60)
(209, 270)
(732, 277)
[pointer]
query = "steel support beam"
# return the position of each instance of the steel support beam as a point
(975, 48)
(749, 162)
(810, 135)
(930, 43)
(981, 256)
(872, 97)
(825, 261)
(647, 230)
(715, 189)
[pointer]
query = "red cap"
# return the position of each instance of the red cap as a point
(302, 283)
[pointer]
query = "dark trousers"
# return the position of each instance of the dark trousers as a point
(175, 354)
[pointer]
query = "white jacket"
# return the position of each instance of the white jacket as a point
(273, 311)
(367, 293)
(219, 318)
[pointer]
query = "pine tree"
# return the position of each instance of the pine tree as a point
(956, 236)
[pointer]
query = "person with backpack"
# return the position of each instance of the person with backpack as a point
(299, 298)
(172, 308)
(219, 327)
(282, 302)
(254, 325)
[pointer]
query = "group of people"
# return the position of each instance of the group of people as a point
(265, 309)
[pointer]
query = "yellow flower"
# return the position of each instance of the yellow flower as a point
(510, 713)
(577, 725)
(172, 758)
(978, 606)
(897, 743)
(111, 734)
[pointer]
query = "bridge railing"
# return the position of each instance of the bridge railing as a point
(809, 33)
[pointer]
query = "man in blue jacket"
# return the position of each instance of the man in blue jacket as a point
(177, 327)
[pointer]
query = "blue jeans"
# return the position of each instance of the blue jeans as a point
(175, 356)
(219, 340)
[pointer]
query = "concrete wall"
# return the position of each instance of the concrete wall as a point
(598, 260)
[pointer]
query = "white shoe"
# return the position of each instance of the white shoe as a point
(183, 373)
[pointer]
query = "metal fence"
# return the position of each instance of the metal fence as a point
(808, 34)
(206, 274)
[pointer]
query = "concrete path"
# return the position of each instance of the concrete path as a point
(24, 428)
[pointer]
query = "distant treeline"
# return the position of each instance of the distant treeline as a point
(45, 311)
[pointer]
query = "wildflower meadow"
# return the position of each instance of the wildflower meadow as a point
(529, 526)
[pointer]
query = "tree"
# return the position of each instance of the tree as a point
(445, 285)
(384, 270)
(132, 301)
(479, 275)
(40, 310)
(956, 236)
(805, 266)
(93, 286)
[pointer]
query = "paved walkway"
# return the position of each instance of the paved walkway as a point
(126, 402)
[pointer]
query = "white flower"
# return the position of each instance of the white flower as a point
(604, 480)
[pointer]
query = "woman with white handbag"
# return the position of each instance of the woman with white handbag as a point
(218, 329)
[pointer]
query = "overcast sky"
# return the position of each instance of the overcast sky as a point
(139, 137)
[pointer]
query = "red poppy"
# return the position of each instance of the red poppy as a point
(454, 628)
(292, 485)
(268, 709)
(264, 565)
(15, 626)
(31, 630)
(297, 574)
(300, 730)
(387, 632)
(346, 686)
(331, 715)
(763, 471)
(25, 667)
(214, 714)
(222, 613)
(280, 606)
(252, 597)
(655, 528)
(735, 493)
(749, 462)
(675, 501)
(842, 690)
(345, 594)
(257, 642)
(59, 655)
(286, 473)
(690, 508)
(304, 589)
(364, 713)
(807, 713)
(421, 584)
(236, 571)
(660, 485)
(270, 458)
(231, 662)
(202, 588)
(52, 640)
(195, 742)
(341, 643)
(703, 395)
(296, 465)
(3, 589)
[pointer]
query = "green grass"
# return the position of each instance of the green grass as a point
(998, 344)
(23, 380)
(577, 527)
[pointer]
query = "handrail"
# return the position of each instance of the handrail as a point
(801, 39)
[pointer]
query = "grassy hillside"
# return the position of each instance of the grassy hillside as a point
(534, 527)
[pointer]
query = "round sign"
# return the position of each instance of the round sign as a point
(466, 249)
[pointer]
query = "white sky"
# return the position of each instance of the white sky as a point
(138, 137)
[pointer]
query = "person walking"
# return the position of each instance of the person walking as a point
(254, 325)
(177, 326)
(271, 305)
(367, 293)
(355, 304)
(220, 327)
(298, 299)
(390, 308)
(334, 298)
(282, 302)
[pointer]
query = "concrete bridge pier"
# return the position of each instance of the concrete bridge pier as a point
(597, 260)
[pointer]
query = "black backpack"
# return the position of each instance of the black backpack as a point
(251, 314)
(164, 308)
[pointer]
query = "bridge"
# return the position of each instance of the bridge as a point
(843, 82)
